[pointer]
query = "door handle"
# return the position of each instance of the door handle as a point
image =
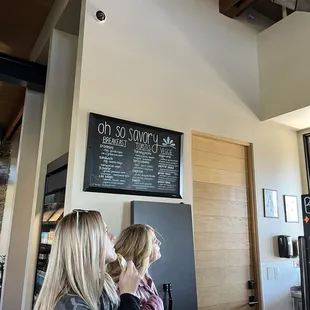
(252, 301)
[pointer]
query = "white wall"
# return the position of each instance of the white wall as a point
(54, 136)
(283, 54)
(183, 66)
(277, 167)
(9, 199)
(15, 267)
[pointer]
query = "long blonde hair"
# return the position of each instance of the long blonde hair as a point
(134, 243)
(77, 262)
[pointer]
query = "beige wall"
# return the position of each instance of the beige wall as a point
(15, 268)
(182, 66)
(283, 54)
(39, 146)
(54, 136)
(9, 200)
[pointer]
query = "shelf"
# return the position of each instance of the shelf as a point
(55, 205)
(45, 248)
(41, 273)
(55, 191)
(45, 245)
(53, 215)
(53, 211)
(50, 223)
(57, 197)
(41, 267)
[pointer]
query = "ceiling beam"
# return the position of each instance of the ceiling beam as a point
(26, 73)
(47, 30)
(233, 8)
(15, 127)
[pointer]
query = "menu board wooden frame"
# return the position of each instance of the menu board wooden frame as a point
(90, 165)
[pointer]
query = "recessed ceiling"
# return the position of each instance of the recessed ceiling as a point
(20, 25)
(267, 8)
(298, 120)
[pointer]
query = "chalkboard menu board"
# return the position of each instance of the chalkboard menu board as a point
(305, 204)
(130, 158)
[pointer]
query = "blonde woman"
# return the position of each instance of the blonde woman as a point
(139, 244)
(76, 277)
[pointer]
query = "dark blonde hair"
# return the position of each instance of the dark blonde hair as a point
(77, 262)
(134, 243)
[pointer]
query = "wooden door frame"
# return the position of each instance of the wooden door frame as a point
(253, 216)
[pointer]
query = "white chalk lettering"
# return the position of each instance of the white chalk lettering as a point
(104, 128)
(165, 151)
(121, 132)
(142, 136)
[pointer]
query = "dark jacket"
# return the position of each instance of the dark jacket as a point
(74, 302)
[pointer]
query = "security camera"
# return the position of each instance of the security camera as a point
(100, 16)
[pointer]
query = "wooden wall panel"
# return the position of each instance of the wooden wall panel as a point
(221, 223)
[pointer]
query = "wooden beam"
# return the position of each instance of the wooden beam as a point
(47, 30)
(269, 9)
(17, 132)
(15, 126)
(233, 8)
(226, 5)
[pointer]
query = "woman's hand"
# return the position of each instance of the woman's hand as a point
(129, 279)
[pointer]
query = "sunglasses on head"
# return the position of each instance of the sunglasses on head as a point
(77, 211)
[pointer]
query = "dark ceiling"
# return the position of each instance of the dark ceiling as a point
(267, 8)
(20, 25)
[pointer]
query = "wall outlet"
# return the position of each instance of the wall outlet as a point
(296, 264)
(277, 273)
(270, 273)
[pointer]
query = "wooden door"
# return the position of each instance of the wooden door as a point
(222, 218)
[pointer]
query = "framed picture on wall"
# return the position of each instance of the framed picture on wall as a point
(271, 208)
(291, 209)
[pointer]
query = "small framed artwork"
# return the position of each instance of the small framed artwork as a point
(291, 209)
(271, 207)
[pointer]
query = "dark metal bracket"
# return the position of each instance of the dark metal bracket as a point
(22, 72)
